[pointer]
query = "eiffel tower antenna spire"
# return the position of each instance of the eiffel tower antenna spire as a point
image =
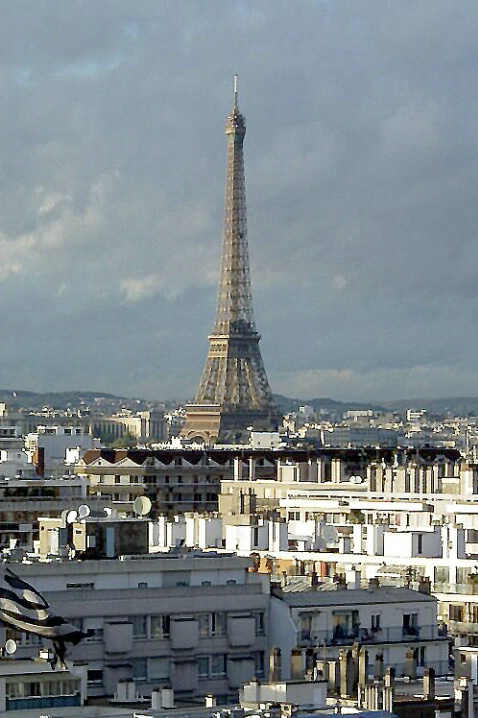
(234, 392)
(236, 106)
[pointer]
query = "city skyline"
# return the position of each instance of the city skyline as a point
(361, 186)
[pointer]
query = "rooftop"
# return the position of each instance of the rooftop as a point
(351, 597)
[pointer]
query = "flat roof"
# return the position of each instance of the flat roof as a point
(351, 597)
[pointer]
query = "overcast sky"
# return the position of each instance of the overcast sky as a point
(361, 174)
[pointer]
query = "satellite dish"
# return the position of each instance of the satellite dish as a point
(356, 479)
(142, 505)
(10, 647)
(84, 511)
(71, 516)
(108, 511)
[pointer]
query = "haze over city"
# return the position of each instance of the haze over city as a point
(361, 179)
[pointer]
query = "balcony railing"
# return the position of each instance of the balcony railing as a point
(461, 588)
(396, 634)
(467, 627)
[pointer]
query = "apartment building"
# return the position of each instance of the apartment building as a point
(24, 500)
(397, 626)
(184, 480)
(196, 621)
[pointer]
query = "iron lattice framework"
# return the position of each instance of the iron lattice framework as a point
(234, 392)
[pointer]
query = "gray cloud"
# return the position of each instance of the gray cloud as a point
(361, 164)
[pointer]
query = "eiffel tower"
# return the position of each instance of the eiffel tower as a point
(234, 392)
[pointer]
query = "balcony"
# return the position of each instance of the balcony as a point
(463, 627)
(395, 634)
(470, 587)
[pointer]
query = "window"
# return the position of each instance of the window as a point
(305, 626)
(442, 574)
(255, 539)
(212, 624)
(218, 623)
(419, 654)
(294, 515)
(259, 663)
(30, 639)
(95, 633)
(455, 612)
(140, 669)
(160, 626)
(420, 543)
(474, 613)
(259, 618)
(410, 624)
(80, 585)
(218, 665)
(375, 624)
(139, 627)
(95, 675)
(158, 669)
(203, 624)
(203, 666)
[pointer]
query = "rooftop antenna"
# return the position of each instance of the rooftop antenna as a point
(142, 505)
(236, 107)
(84, 511)
(9, 648)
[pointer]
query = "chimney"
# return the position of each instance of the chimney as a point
(429, 684)
(379, 668)
(410, 664)
(296, 665)
(389, 678)
(167, 697)
(347, 673)
(425, 585)
(362, 667)
(274, 665)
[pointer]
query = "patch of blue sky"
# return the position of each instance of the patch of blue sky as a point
(89, 68)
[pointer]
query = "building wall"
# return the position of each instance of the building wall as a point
(196, 622)
(389, 628)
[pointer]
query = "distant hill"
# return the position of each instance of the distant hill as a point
(454, 406)
(19, 399)
(35, 401)
(329, 405)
